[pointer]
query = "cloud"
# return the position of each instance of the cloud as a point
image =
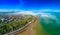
(26, 12)
(9, 10)
(47, 10)
(43, 10)
(33, 12)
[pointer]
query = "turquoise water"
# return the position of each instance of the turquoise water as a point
(51, 23)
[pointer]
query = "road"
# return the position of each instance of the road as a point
(28, 30)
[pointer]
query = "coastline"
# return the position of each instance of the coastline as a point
(28, 30)
(37, 28)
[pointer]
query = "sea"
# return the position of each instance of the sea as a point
(50, 21)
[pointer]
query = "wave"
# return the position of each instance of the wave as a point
(50, 22)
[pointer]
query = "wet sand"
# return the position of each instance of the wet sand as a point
(37, 28)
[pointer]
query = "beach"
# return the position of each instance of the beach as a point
(28, 30)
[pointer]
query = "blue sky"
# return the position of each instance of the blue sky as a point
(30, 4)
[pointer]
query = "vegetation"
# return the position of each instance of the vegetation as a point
(9, 26)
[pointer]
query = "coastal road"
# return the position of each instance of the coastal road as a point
(28, 30)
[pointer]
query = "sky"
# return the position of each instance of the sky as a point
(30, 5)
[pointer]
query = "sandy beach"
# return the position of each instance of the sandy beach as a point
(28, 30)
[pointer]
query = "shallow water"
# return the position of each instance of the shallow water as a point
(51, 23)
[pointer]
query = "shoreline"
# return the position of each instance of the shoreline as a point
(28, 30)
